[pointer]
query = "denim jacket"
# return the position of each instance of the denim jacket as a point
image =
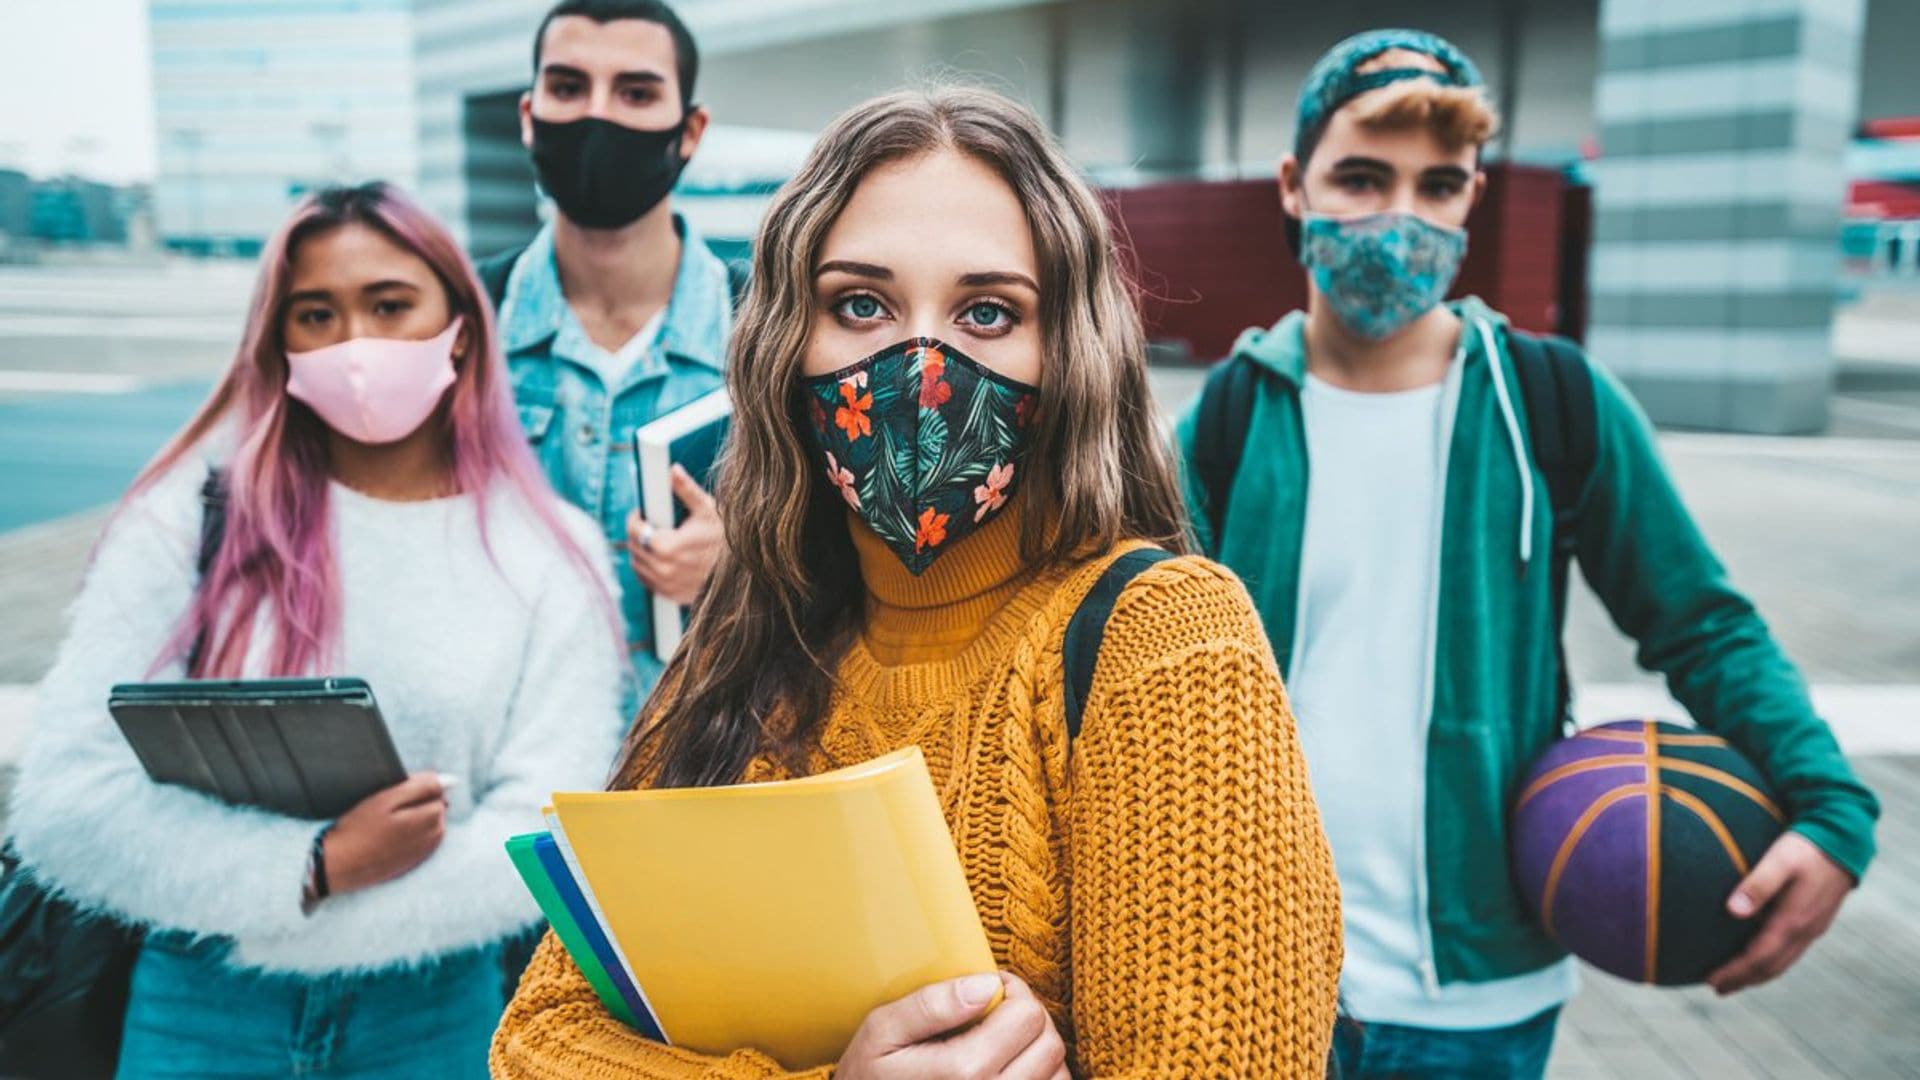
(582, 430)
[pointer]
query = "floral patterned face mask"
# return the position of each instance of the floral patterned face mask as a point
(923, 443)
(1380, 271)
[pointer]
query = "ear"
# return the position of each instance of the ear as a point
(526, 119)
(697, 120)
(1291, 179)
(1479, 187)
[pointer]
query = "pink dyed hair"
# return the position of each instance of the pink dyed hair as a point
(277, 552)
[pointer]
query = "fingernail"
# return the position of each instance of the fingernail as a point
(977, 990)
(1740, 905)
(448, 782)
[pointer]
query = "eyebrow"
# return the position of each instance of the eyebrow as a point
(390, 283)
(880, 273)
(1448, 172)
(857, 269)
(998, 277)
(326, 295)
(568, 71)
(1358, 162)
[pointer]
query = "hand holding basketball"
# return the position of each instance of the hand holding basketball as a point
(1798, 890)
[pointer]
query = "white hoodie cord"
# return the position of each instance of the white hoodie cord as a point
(1513, 440)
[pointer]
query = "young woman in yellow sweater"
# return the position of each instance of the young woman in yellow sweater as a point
(943, 437)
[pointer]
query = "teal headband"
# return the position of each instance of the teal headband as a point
(1334, 81)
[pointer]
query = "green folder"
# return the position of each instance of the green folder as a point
(526, 859)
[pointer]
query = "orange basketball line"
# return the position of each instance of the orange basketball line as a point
(1712, 820)
(1726, 779)
(1610, 736)
(1653, 849)
(1666, 739)
(1574, 836)
(1574, 768)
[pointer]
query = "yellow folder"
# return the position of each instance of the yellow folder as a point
(775, 916)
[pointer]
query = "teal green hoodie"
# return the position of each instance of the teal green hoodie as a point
(1495, 681)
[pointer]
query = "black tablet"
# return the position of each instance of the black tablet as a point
(307, 748)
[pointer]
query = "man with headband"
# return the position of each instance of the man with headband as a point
(1412, 587)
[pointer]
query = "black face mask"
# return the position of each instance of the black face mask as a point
(603, 175)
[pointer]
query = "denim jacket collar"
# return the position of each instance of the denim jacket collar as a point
(698, 312)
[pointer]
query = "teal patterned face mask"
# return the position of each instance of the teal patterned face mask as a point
(1380, 271)
(923, 443)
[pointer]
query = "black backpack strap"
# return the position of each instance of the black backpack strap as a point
(213, 530)
(1088, 627)
(1220, 435)
(494, 272)
(213, 519)
(1556, 389)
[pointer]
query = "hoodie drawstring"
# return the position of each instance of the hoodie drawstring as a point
(1514, 440)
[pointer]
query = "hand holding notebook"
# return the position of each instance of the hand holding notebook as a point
(688, 439)
(775, 916)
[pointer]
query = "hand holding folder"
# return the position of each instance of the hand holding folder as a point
(774, 916)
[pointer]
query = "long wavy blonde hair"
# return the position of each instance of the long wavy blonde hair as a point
(756, 674)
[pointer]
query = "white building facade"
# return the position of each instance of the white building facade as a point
(258, 101)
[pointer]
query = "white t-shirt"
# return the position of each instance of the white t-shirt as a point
(573, 342)
(1361, 687)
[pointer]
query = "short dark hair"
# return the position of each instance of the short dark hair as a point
(686, 54)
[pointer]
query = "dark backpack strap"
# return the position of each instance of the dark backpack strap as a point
(494, 272)
(213, 519)
(213, 530)
(1088, 627)
(1220, 434)
(1556, 389)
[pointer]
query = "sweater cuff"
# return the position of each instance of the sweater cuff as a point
(1844, 836)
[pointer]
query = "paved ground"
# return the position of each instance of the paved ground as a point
(96, 366)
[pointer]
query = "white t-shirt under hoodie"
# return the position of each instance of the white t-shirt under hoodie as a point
(1362, 690)
(494, 662)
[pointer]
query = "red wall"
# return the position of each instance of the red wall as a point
(1212, 259)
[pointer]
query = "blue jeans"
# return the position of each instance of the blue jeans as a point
(1391, 1052)
(190, 1015)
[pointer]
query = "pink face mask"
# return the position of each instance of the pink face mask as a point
(374, 390)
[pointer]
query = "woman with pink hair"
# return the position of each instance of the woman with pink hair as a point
(384, 519)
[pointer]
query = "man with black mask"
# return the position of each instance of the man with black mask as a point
(616, 313)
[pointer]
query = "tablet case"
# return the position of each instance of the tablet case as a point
(306, 748)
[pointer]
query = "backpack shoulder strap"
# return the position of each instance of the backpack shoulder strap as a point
(213, 519)
(1220, 436)
(213, 530)
(1088, 627)
(1556, 389)
(494, 272)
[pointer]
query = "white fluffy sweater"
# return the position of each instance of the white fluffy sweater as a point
(499, 668)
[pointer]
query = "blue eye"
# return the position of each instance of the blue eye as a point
(986, 315)
(861, 307)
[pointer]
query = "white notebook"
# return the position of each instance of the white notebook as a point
(690, 436)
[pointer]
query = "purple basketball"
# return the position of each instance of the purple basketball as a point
(1629, 837)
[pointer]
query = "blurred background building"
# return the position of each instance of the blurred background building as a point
(1690, 186)
(1715, 134)
(257, 101)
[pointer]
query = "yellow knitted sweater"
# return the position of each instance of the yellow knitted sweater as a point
(1163, 883)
